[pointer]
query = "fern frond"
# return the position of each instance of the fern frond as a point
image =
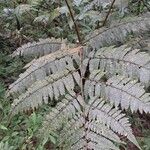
(47, 17)
(49, 89)
(118, 3)
(118, 32)
(130, 93)
(88, 89)
(43, 47)
(120, 91)
(89, 126)
(23, 8)
(123, 60)
(113, 118)
(42, 18)
(104, 3)
(43, 67)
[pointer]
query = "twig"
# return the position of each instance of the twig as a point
(73, 19)
(112, 4)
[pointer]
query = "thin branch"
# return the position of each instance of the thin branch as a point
(73, 19)
(106, 18)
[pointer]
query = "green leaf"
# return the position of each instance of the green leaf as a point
(53, 139)
(2, 127)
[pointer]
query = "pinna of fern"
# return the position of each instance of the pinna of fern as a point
(47, 46)
(90, 94)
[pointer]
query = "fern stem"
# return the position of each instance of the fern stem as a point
(106, 18)
(80, 42)
(75, 24)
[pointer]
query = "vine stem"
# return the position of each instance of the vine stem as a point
(106, 18)
(75, 24)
